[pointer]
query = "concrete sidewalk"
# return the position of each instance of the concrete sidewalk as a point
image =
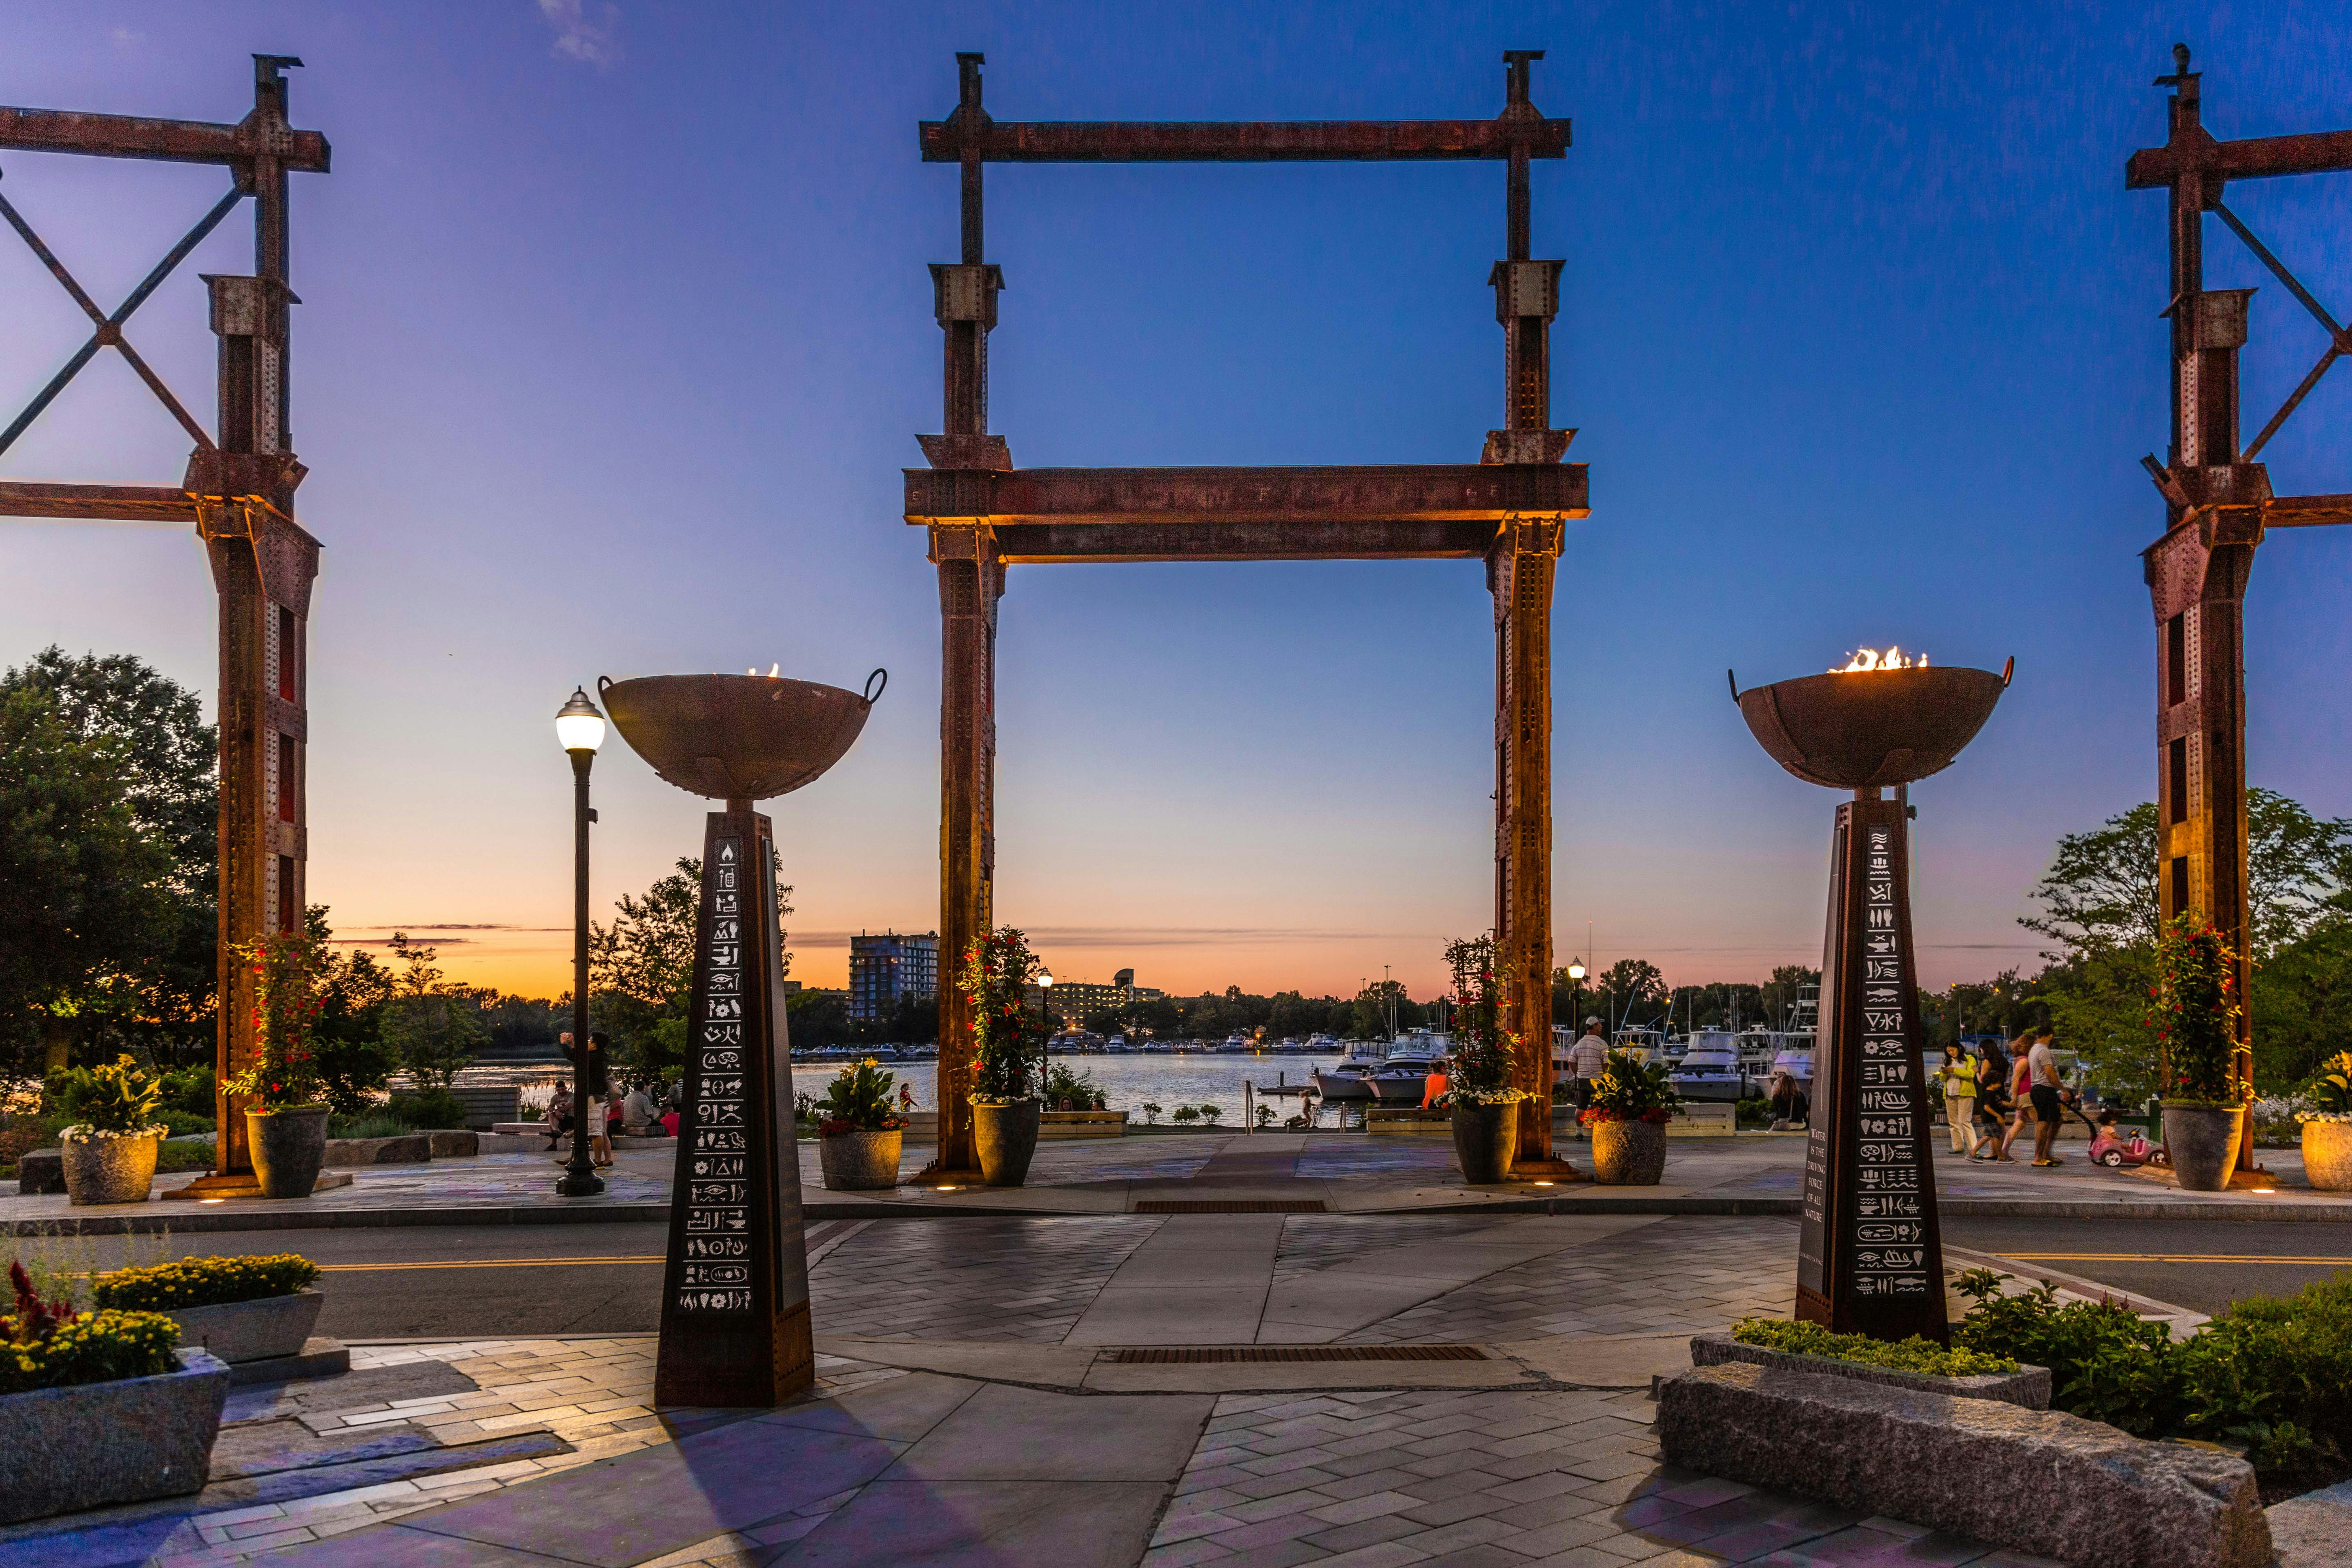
(1329, 1172)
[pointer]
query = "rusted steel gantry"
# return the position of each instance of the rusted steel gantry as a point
(2218, 503)
(983, 515)
(239, 491)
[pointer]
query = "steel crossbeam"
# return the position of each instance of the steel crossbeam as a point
(984, 516)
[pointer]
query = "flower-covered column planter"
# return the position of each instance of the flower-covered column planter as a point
(1008, 1054)
(288, 1147)
(100, 1169)
(1480, 1095)
(2194, 1012)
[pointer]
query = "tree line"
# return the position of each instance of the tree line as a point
(109, 866)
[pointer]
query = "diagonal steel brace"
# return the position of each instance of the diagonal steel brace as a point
(2339, 342)
(109, 328)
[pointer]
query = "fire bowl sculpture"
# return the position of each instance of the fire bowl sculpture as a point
(738, 737)
(1869, 1256)
(1872, 728)
(735, 1317)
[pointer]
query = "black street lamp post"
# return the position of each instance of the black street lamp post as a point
(580, 729)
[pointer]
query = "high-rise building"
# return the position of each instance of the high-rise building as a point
(889, 969)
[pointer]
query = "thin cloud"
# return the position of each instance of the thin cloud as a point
(592, 39)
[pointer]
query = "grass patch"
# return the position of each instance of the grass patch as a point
(1914, 1354)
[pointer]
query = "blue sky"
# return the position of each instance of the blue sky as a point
(615, 334)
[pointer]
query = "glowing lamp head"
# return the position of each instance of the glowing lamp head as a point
(579, 724)
(1576, 970)
(1045, 977)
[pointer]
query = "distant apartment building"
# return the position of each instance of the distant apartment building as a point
(1075, 999)
(889, 969)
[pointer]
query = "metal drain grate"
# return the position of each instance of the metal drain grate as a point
(1231, 1207)
(1171, 1355)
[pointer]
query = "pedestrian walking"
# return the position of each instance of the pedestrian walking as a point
(1589, 1056)
(2042, 1069)
(2021, 1101)
(1960, 1075)
(1993, 1099)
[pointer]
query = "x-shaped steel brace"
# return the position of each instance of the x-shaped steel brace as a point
(2339, 341)
(109, 328)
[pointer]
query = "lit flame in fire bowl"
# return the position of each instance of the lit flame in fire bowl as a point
(1865, 659)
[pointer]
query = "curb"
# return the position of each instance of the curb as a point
(183, 1222)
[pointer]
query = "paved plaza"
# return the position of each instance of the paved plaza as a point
(994, 1407)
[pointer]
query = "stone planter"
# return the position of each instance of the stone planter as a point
(1629, 1154)
(1485, 1137)
(288, 1147)
(251, 1331)
(1006, 1137)
(2327, 1155)
(404, 1149)
(2027, 1387)
(109, 1170)
(859, 1161)
(2203, 1143)
(99, 1443)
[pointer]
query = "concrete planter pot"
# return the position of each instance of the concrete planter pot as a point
(1005, 1139)
(2203, 1143)
(1485, 1138)
(99, 1443)
(2327, 1155)
(251, 1331)
(109, 1170)
(1629, 1154)
(859, 1161)
(288, 1147)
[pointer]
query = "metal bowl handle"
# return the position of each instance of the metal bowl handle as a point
(2007, 671)
(602, 682)
(874, 692)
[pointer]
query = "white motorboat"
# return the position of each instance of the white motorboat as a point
(1709, 1069)
(1401, 1080)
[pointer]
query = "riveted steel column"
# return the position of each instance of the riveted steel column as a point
(1520, 573)
(970, 581)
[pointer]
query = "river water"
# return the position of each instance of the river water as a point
(1127, 1082)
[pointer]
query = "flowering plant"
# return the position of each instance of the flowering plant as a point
(1630, 1090)
(858, 1101)
(2331, 1092)
(284, 1073)
(114, 1101)
(1486, 1049)
(1008, 1038)
(2193, 1010)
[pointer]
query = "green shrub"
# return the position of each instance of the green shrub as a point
(1184, 1115)
(1067, 1090)
(188, 1156)
(432, 1108)
(2273, 1376)
(204, 1282)
(189, 1091)
(118, 1097)
(1914, 1355)
(185, 1123)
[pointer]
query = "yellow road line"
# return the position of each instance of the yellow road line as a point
(485, 1263)
(2164, 1257)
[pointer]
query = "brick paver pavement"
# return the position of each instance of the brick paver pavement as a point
(1679, 1275)
(1310, 1242)
(1494, 1480)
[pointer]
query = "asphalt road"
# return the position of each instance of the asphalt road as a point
(488, 1281)
(2203, 1265)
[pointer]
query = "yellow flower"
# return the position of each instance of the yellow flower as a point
(869, 1062)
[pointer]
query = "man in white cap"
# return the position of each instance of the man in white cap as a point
(1588, 1055)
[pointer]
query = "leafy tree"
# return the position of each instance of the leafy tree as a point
(1634, 988)
(354, 1060)
(431, 1029)
(83, 897)
(641, 971)
(2100, 891)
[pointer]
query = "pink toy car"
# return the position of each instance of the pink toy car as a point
(2111, 1148)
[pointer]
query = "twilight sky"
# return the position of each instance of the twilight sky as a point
(616, 335)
